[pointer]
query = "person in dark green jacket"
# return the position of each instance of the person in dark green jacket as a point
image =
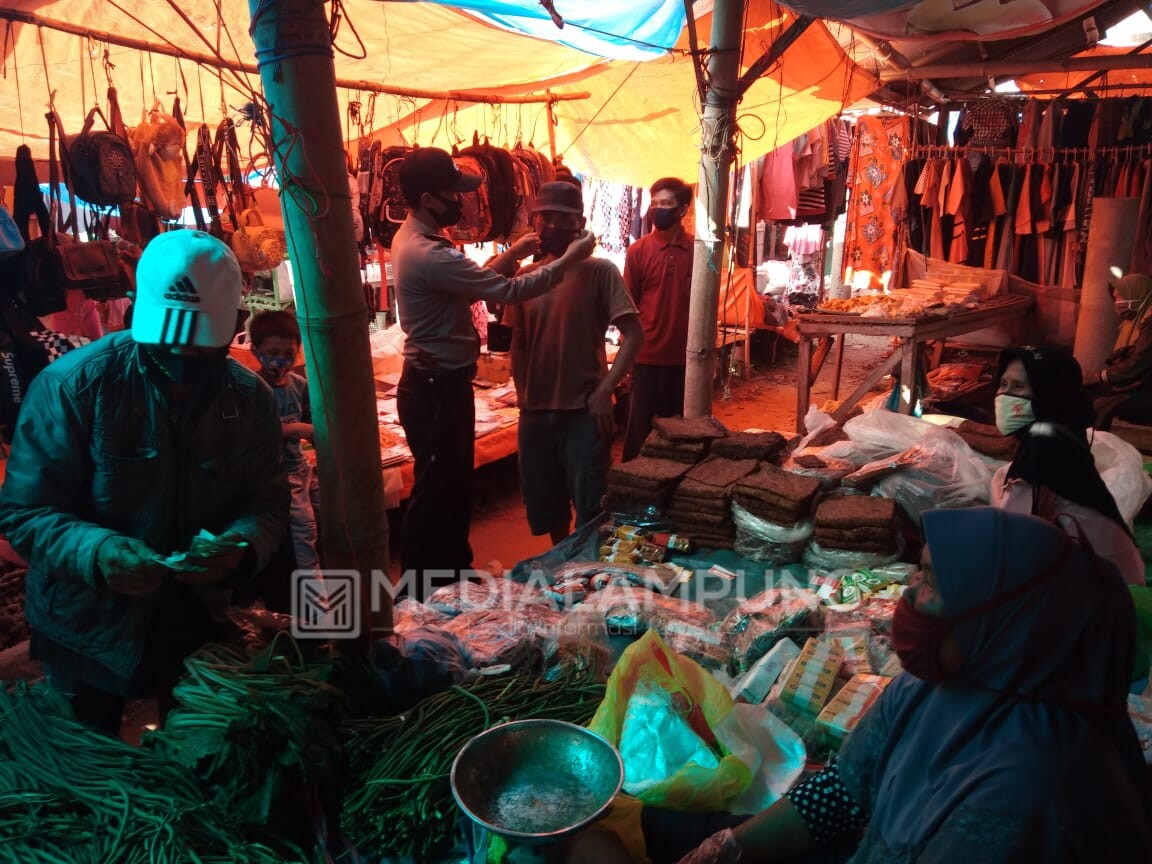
(143, 483)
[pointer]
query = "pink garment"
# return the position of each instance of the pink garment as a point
(1108, 539)
(80, 318)
(804, 239)
(778, 196)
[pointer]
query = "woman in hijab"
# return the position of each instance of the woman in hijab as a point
(1124, 386)
(1006, 738)
(1041, 402)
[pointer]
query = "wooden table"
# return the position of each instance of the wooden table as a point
(912, 333)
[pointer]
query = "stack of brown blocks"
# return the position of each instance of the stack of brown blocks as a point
(689, 429)
(687, 451)
(776, 495)
(764, 446)
(644, 482)
(701, 506)
(859, 523)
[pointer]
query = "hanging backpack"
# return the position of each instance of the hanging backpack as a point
(99, 163)
(476, 222)
(393, 207)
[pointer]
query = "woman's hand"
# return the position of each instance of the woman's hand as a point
(720, 848)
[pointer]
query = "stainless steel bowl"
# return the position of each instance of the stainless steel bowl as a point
(534, 781)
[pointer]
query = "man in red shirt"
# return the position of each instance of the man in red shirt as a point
(658, 274)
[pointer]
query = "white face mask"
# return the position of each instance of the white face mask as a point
(1013, 413)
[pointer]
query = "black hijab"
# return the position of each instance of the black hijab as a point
(1054, 450)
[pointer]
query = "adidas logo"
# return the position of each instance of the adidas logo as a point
(182, 290)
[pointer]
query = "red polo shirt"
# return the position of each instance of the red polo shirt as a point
(659, 278)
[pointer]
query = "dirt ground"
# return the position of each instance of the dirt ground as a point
(765, 398)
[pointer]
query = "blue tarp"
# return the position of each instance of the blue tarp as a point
(615, 29)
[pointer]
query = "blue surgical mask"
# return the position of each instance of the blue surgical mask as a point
(277, 365)
(1013, 413)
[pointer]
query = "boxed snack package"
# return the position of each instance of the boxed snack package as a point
(808, 683)
(753, 685)
(843, 712)
(854, 644)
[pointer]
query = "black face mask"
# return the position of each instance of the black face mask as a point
(554, 241)
(452, 212)
(664, 217)
(187, 370)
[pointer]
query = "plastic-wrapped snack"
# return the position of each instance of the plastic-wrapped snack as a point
(496, 637)
(408, 614)
(489, 593)
(761, 621)
(882, 656)
(567, 592)
(761, 540)
(707, 646)
(629, 609)
(659, 577)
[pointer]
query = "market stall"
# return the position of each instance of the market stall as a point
(782, 642)
(911, 331)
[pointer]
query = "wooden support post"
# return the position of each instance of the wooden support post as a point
(294, 47)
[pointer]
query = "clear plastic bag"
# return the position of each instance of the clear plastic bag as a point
(1122, 468)
(820, 558)
(761, 540)
(941, 471)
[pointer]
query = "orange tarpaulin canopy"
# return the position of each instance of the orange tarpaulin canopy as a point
(639, 122)
(1115, 80)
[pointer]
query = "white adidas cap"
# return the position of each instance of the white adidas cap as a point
(188, 288)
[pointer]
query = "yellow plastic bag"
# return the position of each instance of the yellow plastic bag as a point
(701, 700)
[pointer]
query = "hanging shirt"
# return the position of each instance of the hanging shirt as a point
(778, 196)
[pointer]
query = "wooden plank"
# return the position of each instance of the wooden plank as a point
(873, 377)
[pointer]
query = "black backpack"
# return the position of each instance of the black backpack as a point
(99, 165)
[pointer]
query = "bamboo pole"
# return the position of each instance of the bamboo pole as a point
(718, 129)
(211, 60)
(294, 50)
(1014, 68)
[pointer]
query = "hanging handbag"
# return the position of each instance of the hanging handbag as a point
(257, 246)
(91, 267)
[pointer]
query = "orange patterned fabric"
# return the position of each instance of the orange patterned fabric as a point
(870, 242)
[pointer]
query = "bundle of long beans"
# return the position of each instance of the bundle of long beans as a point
(399, 799)
(247, 726)
(71, 795)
